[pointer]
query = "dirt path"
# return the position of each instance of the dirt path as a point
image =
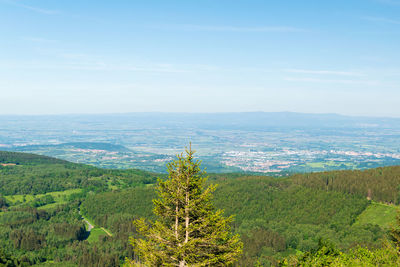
(107, 232)
(90, 226)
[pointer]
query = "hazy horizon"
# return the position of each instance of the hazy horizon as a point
(199, 113)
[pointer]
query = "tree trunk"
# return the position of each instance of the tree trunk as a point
(187, 218)
(176, 222)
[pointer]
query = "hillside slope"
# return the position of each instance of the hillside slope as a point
(7, 157)
(275, 217)
(380, 184)
(22, 173)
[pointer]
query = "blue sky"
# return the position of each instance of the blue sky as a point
(66, 56)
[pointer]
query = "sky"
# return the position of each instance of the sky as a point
(87, 56)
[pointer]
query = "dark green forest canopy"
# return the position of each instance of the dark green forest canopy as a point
(275, 217)
(34, 174)
(28, 159)
(380, 184)
(34, 230)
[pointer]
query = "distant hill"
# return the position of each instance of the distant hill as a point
(7, 157)
(223, 120)
(77, 145)
(36, 174)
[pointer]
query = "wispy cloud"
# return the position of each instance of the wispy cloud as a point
(83, 65)
(38, 40)
(32, 8)
(383, 20)
(324, 72)
(332, 81)
(191, 27)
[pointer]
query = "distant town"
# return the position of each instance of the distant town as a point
(297, 143)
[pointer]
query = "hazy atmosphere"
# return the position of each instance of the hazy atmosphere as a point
(200, 56)
(199, 133)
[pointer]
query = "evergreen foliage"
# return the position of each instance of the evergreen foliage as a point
(35, 174)
(328, 255)
(188, 231)
(16, 158)
(3, 202)
(380, 184)
(275, 217)
(108, 207)
(7, 260)
(395, 232)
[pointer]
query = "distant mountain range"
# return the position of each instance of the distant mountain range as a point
(240, 120)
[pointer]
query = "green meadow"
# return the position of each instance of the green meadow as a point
(329, 164)
(60, 197)
(378, 213)
(95, 234)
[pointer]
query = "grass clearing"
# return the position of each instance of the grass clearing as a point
(49, 206)
(324, 164)
(60, 197)
(378, 213)
(95, 234)
(112, 187)
(96, 231)
(19, 198)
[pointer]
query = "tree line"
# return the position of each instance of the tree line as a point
(380, 184)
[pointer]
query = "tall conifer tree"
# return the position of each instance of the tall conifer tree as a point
(188, 231)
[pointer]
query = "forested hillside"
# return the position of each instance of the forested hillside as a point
(380, 184)
(42, 201)
(275, 217)
(27, 159)
(33, 174)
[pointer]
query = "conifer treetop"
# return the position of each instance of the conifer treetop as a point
(188, 231)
